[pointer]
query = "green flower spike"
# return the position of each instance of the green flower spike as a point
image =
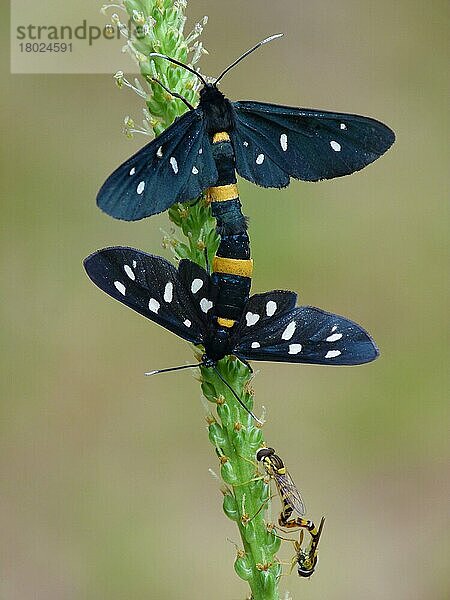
(158, 26)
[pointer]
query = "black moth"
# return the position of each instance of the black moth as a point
(271, 144)
(271, 328)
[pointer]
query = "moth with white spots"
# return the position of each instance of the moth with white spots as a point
(271, 328)
(271, 144)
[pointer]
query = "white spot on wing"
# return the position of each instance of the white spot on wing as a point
(187, 323)
(153, 305)
(174, 164)
(194, 170)
(140, 187)
(168, 292)
(335, 145)
(283, 142)
(132, 171)
(256, 344)
(251, 318)
(200, 151)
(271, 307)
(295, 348)
(196, 285)
(245, 144)
(332, 353)
(205, 304)
(120, 287)
(333, 328)
(289, 331)
(134, 264)
(334, 337)
(129, 271)
(260, 159)
(343, 126)
(159, 152)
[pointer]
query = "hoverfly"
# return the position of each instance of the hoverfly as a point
(307, 559)
(292, 502)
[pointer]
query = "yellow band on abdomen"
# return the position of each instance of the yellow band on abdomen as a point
(222, 193)
(225, 322)
(221, 136)
(233, 266)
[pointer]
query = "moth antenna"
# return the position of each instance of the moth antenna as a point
(238, 60)
(174, 94)
(180, 64)
(174, 369)
(224, 381)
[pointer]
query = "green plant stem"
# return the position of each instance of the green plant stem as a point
(234, 434)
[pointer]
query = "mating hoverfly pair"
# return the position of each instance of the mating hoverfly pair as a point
(291, 500)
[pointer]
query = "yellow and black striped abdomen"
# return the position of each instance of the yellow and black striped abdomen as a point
(232, 265)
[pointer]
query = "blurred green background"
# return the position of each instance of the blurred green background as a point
(104, 474)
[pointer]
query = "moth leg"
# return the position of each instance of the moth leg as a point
(205, 251)
(174, 94)
(247, 364)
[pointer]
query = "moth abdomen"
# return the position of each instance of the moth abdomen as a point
(230, 220)
(232, 295)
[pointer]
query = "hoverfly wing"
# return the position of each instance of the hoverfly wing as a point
(301, 335)
(303, 143)
(151, 286)
(176, 166)
(290, 493)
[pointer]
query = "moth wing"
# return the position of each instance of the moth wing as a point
(151, 286)
(304, 143)
(301, 335)
(254, 162)
(176, 166)
(198, 284)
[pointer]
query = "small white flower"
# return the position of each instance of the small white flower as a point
(138, 17)
(140, 57)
